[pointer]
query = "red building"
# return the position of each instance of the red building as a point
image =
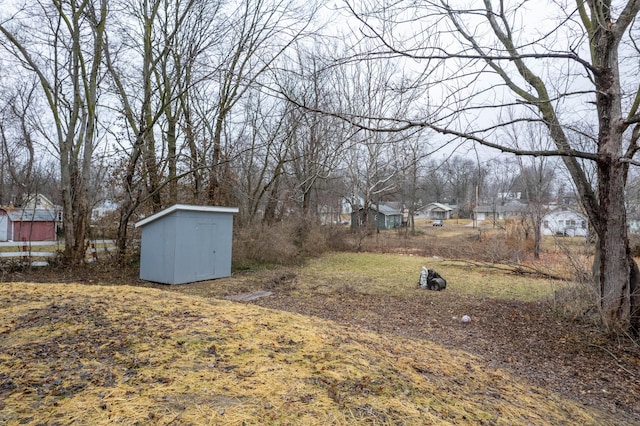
(27, 225)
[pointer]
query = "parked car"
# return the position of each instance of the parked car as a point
(437, 222)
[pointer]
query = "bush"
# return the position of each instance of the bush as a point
(265, 244)
(286, 243)
(579, 302)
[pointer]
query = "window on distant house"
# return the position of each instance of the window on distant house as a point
(572, 222)
(584, 224)
(546, 224)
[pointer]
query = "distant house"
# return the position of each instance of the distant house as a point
(381, 217)
(27, 224)
(438, 211)
(37, 202)
(500, 211)
(570, 223)
(103, 209)
(511, 195)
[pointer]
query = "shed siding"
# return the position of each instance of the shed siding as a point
(569, 223)
(34, 231)
(4, 227)
(157, 260)
(187, 245)
(197, 242)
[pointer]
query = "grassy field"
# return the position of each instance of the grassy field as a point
(116, 354)
(74, 354)
(383, 273)
(122, 351)
(398, 273)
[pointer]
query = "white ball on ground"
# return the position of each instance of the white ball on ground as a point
(465, 318)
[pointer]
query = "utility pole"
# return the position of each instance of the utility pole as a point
(475, 210)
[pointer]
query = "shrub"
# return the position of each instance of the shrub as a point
(286, 243)
(337, 237)
(265, 244)
(579, 302)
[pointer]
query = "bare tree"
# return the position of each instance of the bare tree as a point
(258, 33)
(317, 140)
(434, 182)
(561, 67)
(265, 142)
(536, 179)
(410, 159)
(154, 92)
(17, 147)
(63, 49)
(463, 176)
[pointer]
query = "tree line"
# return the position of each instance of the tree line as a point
(274, 107)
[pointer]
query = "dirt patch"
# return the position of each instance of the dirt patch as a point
(526, 338)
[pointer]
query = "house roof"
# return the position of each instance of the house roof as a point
(387, 210)
(37, 201)
(185, 207)
(565, 212)
(438, 206)
(511, 206)
(384, 209)
(31, 215)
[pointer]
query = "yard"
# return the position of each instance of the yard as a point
(347, 338)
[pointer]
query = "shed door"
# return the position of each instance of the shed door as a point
(206, 267)
(4, 225)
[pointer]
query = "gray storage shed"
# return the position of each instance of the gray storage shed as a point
(185, 243)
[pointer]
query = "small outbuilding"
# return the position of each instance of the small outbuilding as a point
(186, 243)
(379, 216)
(27, 224)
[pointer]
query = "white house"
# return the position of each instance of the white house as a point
(37, 202)
(438, 211)
(569, 223)
(501, 211)
(103, 209)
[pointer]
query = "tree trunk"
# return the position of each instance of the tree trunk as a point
(617, 275)
(617, 272)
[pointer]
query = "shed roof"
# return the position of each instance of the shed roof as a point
(383, 209)
(185, 207)
(386, 210)
(31, 215)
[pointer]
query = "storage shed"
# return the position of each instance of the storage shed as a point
(378, 216)
(186, 243)
(27, 224)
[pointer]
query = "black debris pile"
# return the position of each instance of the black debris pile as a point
(431, 280)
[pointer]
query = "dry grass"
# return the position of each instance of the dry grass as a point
(382, 274)
(115, 354)
(399, 273)
(74, 354)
